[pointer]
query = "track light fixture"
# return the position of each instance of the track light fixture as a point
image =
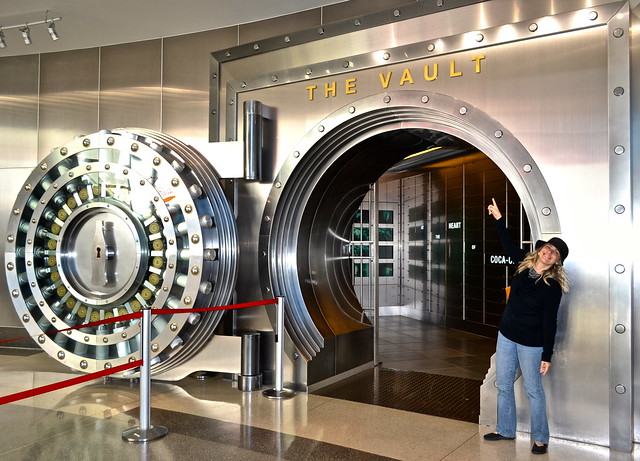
(52, 31)
(25, 29)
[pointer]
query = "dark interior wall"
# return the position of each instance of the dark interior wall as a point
(452, 250)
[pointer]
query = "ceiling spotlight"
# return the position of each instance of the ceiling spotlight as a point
(3, 44)
(25, 35)
(52, 31)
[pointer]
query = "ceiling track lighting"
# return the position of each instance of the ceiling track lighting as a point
(25, 30)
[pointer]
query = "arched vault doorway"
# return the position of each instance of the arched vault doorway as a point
(307, 221)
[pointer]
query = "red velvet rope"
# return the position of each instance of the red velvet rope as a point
(69, 382)
(137, 315)
(99, 374)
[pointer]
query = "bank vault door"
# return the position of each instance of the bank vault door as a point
(109, 224)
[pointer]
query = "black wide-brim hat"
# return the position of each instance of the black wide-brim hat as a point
(559, 244)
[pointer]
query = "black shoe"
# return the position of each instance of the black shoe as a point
(493, 436)
(539, 449)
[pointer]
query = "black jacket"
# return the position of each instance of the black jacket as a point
(530, 318)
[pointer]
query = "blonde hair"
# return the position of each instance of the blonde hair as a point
(555, 272)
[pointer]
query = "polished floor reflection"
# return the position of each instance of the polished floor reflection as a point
(211, 420)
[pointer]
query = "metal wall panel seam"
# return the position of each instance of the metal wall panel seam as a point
(620, 300)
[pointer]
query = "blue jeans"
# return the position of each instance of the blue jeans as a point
(510, 356)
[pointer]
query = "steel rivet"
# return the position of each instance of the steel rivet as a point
(26, 317)
(195, 270)
(156, 161)
(498, 133)
(123, 335)
(287, 39)
(546, 211)
(41, 339)
(617, 33)
(86, 142)
(424, 99)
(618, 91)
(173, 326)
(256, 46)
(278, 184)
(155, 347)
(619, 150)
(619, 209)
(64, 151)
(321, 128)
(61, 355)
(386, 99)
(10, 266)
(620, 389)
(620, 328)
(188, 208)
(105, 340)
(533, 27)
(396, 13)
(296, 154)
(619, 268)
(356, 22)
(274, 78)
(242, 85)
(386, 56)
(431, 47)
(10, 238)
(84, 364)
(593, 15)
(308, 71)
(479, 38)
(463, 110)
(15, 293)
(352, 109)
(43, 166)
(88, 167)
(107, 366)
(320, 31)
(110, 141)
(439, 2)
(527, 168)
(195, 238)
(346, 64)
(187, 300)
(175, 182)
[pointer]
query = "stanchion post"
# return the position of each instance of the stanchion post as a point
(145, 431)
(279, 392)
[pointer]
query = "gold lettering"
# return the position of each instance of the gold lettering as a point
(311, 89)
(385, 81)
(406, 77)
(452, 69)
(477, 59)
(430, 78)
(330, 89)
(350, 86)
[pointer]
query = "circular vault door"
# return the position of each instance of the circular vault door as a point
(109, 224)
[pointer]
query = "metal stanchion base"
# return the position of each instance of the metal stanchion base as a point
(136, 434)
(276, 394)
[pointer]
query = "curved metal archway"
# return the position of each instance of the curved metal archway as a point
(293, 264)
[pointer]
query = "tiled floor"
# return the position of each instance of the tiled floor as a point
(211, 420)
(408, 344)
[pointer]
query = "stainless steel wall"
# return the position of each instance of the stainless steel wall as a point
(555, 75)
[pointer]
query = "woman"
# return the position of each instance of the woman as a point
(527, 331)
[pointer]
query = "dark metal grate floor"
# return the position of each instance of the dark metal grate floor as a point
(436, 395)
